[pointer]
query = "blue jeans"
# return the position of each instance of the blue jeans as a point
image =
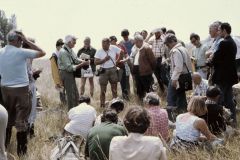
(175, 99)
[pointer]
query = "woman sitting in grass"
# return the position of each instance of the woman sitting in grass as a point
(189, 127)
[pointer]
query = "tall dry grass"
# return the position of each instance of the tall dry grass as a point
(51, 121)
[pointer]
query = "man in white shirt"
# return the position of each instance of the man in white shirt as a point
(180, 64)
(81, 118)
(106, 58)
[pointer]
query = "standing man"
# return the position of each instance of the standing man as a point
(87, 49)
(142, 65)
(15, 85)
(159, 51)
(106, 57)
(68, 63)
(199, 55)
(128, 44)
(55, 71)
(214, 34)
(225, 73)
(122, 65)
(180, 64)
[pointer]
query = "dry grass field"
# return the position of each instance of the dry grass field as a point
(51, 121)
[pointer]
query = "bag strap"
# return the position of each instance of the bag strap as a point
(65, 48)
(111, 59)
(183, 59)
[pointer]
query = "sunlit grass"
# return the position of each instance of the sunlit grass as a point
(52, 120)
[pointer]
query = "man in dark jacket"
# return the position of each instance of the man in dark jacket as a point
(225, 74)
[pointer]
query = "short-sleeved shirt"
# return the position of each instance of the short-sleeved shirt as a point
(199, 55)
(113, 52)
(158, 47)
(91, 52)
(128, 45)
(13, 65)
(159, 122)
(100, 137)
(81, 118)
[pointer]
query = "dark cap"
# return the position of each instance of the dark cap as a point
(59, 42)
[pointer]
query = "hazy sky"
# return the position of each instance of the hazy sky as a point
(48, 20)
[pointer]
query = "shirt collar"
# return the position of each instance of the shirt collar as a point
(176, 46)
(69, 49)
(135, 135)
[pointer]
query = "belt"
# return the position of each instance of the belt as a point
(109, 68)
(188, 142)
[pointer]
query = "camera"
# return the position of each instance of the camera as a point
(99, 71)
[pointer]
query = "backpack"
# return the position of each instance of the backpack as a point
(68, 148)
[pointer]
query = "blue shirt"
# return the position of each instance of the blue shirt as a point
(13, 65)
(128, 45)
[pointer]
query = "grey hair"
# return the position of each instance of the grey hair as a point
(69, 38)
(12, 36)
(138, 37)
(151, 96)
(215, 24)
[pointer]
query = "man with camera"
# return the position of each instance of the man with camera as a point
(87, 52)
(68, 63)
(106, 57)
(15, 85)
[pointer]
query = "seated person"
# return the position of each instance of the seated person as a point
(117, 105)
(159, 117)
(136, 146)
(215, 115)
(3, 126)
(100, 136)
(200, 85)
(81, 118)
(189, 126)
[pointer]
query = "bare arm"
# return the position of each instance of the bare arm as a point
(201, 125)
(33, 46)
(98, 61)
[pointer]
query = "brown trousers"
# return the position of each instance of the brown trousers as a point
(17, 102)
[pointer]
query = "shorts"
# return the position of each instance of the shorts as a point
(110, 74)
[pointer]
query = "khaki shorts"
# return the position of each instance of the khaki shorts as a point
(17, 102)
(110, 75)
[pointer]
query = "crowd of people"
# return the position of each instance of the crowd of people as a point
(144, 131)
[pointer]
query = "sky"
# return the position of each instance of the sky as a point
(48, 20)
